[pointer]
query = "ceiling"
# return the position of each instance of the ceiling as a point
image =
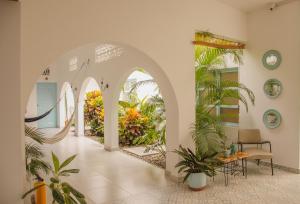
(249, 5)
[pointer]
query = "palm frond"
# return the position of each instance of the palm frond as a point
(34, 134)
(139, 84)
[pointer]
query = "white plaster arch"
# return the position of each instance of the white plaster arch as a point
(66, 102)
(111, 98)
(115, 72)
(79, 125)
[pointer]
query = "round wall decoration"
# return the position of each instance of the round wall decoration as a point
(272, 88)
(271, 59)
(272, 118)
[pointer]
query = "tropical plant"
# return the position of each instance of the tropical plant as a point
(212, 92)
(207, 132)
(141, 83)
(62, 192)
(131, 126)
(35, 165)
(94, 112)
(195, 163)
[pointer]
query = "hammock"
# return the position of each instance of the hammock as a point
(61, 134)
(34, 119)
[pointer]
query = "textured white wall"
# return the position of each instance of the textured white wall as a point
(277, 30)
(12, 139)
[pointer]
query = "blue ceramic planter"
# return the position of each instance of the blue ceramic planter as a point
(197, 181)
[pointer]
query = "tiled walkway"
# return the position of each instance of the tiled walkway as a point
(116, 178)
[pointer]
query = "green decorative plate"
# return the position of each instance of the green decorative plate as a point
(272, 88)
(272, 119)
(271, 59)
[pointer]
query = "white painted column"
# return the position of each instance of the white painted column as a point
(12, 171)
(79, 119)
(111, 133)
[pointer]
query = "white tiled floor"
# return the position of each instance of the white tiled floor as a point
(115, 178)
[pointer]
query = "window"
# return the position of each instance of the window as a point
(230, 108)
(106, 52)
(73, 64)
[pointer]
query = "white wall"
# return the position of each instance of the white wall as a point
(277, 30)
(162, 30)
(12, 139)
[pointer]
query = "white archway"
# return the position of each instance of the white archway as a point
(111, 96)
(66, 104)
(114, 70)
(89, 84)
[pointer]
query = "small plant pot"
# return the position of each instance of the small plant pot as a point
(197, 181)
(227, 153)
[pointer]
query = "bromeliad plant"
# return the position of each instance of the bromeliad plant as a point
(192, 163)
(62, 192)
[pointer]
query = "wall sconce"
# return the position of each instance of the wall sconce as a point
(103, 86)
(46, 73)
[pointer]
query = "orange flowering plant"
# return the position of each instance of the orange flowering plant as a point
(94, 112)
(132, 124)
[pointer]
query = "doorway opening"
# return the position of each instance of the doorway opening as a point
(142, 119)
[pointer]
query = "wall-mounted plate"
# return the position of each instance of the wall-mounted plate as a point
(272, 118)
(271, 59)
(272, 88)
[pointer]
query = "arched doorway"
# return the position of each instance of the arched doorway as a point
(89, 85)
(66, 104)
(114, 64)
(142, 119)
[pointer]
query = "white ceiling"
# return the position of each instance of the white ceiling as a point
(249, 5)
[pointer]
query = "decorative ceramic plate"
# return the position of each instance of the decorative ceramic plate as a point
(272, 88)
(272, 118)
(271, 59)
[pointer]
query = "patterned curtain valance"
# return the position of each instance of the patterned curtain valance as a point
(211, 40)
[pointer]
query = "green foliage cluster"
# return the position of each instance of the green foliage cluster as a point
(192, 163)
(207, 131)
(141, 122)
(37, 169)
(62, 192)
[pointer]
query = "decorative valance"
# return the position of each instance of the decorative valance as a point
(211, 40)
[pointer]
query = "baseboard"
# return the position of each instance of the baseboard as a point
(278, 166)
(111, 149)
(174, 178)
